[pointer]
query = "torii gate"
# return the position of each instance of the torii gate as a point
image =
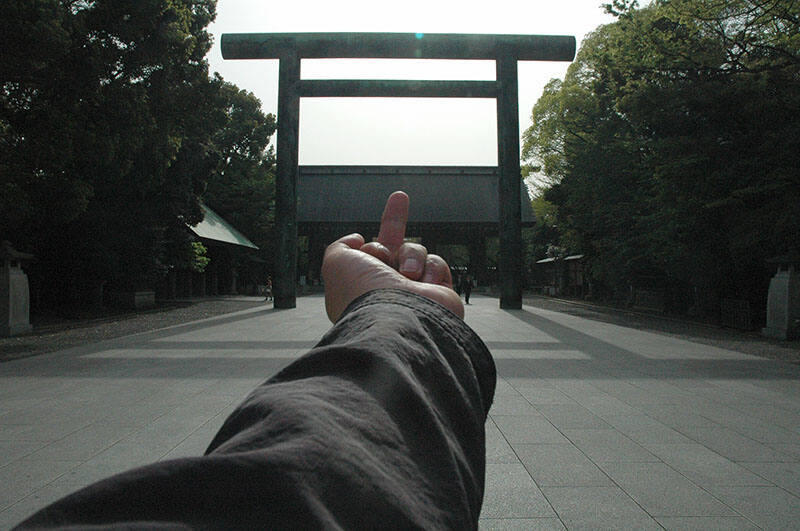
(505, 50)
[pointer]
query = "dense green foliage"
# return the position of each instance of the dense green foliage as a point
(111, 132)
(670, 153)
(242, 189)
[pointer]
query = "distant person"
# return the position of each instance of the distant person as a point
(467, 287)
(380, 425)
(268, 289)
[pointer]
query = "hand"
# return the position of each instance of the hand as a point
(352, 267)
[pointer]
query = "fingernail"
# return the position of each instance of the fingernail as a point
(428, 276)
(409, 265)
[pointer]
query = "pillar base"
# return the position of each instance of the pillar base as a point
(513, 304)
(778, 333)
(284, 303)
(15, 329)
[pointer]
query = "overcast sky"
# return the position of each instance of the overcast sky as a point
(365, 131)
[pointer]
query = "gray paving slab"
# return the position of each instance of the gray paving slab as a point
(645, 429)
(594, 425)
(582, 389)
(604, 406)
(520, 524)
(537, 394)
(737, 447)
(675, 416)
(784, 475)
(598, 508)
(497, 448)
(786, 416)
(760, 430)
(32, 502)
(792, 451)
(767, 507)
(662, 491)
(706, 523)
(25, 476)
(565, 416)
(196, 443)
(608, 445)
(560, 465)
(509, 404)
(511, 493)
(528, 429)
(504, 387)
(11, 451)
(83, 444)
(704, 467)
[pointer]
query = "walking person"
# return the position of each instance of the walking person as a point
(268, 289)
(467, 287)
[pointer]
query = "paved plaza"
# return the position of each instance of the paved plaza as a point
(594, 425)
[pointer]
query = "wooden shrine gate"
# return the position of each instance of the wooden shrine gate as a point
(505, 50)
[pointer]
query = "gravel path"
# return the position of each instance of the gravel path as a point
(746, 342)
(66, 334)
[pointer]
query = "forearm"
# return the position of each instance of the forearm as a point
(408, 379)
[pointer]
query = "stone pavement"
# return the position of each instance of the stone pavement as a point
(593, 426)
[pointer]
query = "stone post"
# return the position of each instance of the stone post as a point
(15, 299)
(783, 301)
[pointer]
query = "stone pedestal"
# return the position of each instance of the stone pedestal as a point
(234, 285)
(15, 299)
(783, 304)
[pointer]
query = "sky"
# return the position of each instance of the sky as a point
(399, 131)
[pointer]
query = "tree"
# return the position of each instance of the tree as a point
(584, 145)
(105, 132)
(242, 188)
(540, 237)
(672, 144)
(724, 150)
(36, 106)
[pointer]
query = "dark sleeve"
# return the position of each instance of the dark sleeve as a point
(381, 425)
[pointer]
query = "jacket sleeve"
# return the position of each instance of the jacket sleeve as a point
(381, 425)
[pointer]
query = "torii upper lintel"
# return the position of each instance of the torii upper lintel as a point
(396, 46)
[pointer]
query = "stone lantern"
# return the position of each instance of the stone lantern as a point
(14, 292)
(783, 300)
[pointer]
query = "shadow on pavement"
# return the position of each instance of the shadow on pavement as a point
(608, 361)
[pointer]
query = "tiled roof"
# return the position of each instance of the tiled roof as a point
(213, 227)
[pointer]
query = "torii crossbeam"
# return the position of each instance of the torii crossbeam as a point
(505, 50)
